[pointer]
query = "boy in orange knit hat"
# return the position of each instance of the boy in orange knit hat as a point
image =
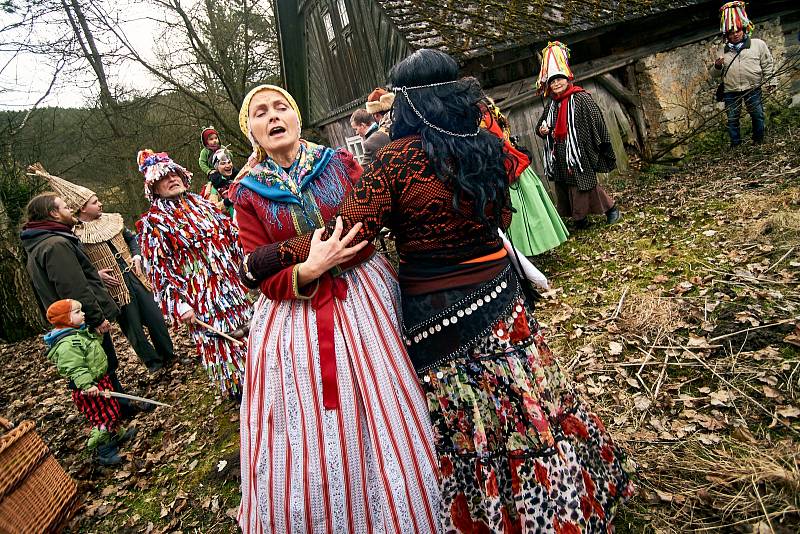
(79, 357)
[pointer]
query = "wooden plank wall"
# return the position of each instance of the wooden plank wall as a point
(362, 53)
(337, 131)
(320, 94)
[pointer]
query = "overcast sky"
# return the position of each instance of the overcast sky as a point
(26, 77)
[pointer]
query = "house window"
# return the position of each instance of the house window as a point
(326, 19)
(341, 7)
(355, 145)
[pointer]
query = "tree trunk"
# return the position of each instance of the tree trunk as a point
(19, 315)
(85, 38)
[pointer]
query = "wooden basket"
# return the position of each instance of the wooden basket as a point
(36, 494)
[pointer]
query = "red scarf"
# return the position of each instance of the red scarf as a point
(560, 133)
(55, 226)
(518, 161)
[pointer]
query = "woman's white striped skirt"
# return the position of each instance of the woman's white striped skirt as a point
(367, 467)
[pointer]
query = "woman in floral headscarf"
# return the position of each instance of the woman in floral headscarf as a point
(335, 435)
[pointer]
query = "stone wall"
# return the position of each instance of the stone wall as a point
(677, 90)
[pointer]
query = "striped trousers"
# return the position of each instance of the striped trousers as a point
(101, 412)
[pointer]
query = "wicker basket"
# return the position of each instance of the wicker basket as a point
(36, 495)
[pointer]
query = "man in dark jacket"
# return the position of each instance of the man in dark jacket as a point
(60, 269)
(364, 124)
(114, 252)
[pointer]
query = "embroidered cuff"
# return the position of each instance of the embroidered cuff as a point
(296, 289)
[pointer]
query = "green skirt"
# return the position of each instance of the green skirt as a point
(536, 226)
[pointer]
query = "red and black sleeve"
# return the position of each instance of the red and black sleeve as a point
(369, 202)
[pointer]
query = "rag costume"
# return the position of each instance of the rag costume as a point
(536, 226)
(518, 450)
(578, 145)
(335, 435)
(192, 256)
(746, 66)
(109, 245)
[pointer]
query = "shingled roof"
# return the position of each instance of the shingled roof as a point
(473, 28)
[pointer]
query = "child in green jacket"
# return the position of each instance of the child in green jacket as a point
(79, 356)
(209, 137)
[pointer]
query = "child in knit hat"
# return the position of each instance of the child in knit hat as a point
(209, 138)
(79, 357)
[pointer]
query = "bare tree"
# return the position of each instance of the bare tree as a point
(59, 33)
(211, 54)
(85, 37)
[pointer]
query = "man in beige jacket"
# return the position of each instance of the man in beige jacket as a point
(744, 66)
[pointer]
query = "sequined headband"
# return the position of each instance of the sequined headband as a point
(404, 89)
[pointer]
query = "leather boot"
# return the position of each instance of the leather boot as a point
(108, 454)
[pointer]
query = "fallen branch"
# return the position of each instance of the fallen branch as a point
(777, 262)
(763, 508)
(785, 321)
(619, 305)
(668, 347)
(742, 393)
(661, 376)
(617, 310)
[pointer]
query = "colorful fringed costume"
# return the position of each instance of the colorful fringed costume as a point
(732, 16)
(192, 256)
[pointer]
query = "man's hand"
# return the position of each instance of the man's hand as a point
(187, 317)
(138, 270)
(92, 391)
(104, 327)
(108, 278)
(719, 62)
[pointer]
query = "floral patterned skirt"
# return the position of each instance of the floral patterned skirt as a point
(517, 449)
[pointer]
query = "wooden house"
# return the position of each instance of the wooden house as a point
(334, 52)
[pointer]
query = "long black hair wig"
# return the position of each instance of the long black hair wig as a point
(473, 165)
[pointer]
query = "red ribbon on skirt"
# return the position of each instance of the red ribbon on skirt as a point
(330, 288)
